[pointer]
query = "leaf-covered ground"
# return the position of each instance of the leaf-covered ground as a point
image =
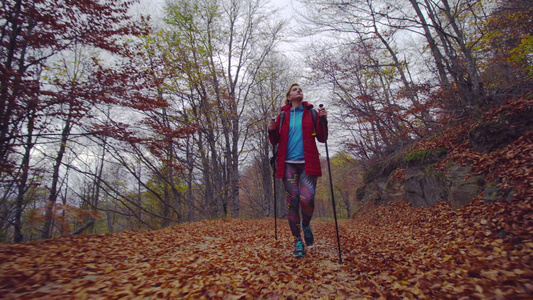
(394, 252)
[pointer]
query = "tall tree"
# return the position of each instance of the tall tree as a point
(50, 93)
(35, 31)
(269, 92)
(221, 45)
(507, 46)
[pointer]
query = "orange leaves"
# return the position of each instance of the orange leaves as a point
(396, 251)
(463, 248)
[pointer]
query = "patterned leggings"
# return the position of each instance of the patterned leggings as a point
(300, 190)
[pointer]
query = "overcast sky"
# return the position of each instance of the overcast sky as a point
(288, 10)
(287, 6)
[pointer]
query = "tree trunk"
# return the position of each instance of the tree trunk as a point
(25, 167)
(47, 228)
(190, 203)
(473, 78)
(454, 66)
(7, 99)
(235, 177)
(267, 180)
(432, 44)
(346, 198)
(98, 184)
(170, 178)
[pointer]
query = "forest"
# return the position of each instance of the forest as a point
(111, 119)
(135, 161)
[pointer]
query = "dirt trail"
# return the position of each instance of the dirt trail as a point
(480, 251)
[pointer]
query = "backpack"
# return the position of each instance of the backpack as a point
(313, 115)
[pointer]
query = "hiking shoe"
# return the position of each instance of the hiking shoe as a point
(299, 249)
(308, 235)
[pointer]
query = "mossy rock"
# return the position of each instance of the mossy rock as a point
(425, 156)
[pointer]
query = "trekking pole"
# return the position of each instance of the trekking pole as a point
(273, 163)
(323, 121)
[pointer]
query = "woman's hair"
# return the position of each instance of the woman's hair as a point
(288, 92)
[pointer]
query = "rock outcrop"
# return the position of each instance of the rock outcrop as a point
(426, 176)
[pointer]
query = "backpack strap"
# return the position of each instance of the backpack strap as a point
(281, 119)
(313, 116)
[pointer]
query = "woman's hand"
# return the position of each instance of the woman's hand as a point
(272, 124)
(322, 112)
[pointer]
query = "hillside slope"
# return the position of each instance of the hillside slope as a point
(489, 158)
(397, 251)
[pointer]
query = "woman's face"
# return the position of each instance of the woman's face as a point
(296, 93)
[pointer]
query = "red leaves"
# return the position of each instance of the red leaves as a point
(396, 251)
(119, 131)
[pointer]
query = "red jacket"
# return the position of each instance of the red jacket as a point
(311, 155)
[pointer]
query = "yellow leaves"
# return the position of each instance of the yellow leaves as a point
(490, 274)
(397, 285)
(519, 272)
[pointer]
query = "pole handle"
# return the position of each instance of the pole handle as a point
(323, 120)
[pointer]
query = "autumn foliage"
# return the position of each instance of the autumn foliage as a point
(505, 153)
(391, 252)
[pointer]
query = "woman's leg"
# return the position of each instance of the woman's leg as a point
(300, 190)
(307, 196)
(291, 182)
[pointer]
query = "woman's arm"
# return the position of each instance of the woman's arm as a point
(273, 131)
(322, 125)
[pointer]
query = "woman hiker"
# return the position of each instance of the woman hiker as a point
(298, 162)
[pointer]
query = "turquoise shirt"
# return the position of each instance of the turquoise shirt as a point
(295, 144)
